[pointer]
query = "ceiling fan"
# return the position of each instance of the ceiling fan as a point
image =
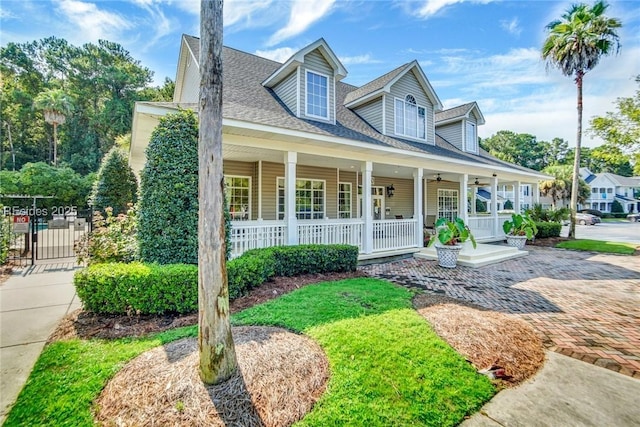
(477, 183)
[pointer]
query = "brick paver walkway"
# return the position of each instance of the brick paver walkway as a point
(585, 305)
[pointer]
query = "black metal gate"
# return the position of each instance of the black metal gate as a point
(55, 234)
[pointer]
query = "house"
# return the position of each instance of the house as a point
(311, 159)
(607, 187)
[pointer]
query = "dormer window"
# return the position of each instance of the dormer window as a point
(317, 104)
(472, 138)
(410, 118)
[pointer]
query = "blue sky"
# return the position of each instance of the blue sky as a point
(485, 51)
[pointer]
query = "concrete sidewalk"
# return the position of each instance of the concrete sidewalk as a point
(32, 302)
(566, 392)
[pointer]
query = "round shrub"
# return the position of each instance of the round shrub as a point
(168, 212)
(116, 185)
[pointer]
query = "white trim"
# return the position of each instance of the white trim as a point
(475, 147)
(306, 94)
(332, 105)
(324, 198)
(384, 114)
(259, 189)
(298, 95)
(350, 184)
(457, 193)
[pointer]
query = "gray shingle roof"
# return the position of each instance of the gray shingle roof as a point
(375, 85)
(245, 99)
(451, 113)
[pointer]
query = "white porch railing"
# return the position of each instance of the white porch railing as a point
(482, 226)
(389, 235)
(246, 235)
(330, 232)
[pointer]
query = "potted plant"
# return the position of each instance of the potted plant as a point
(519, 229)
(450, 236)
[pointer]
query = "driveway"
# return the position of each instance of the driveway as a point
(612, 231)
(585, 305)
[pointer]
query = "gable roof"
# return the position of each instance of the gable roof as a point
(458, 113)
(621, 181)
(383, 84)
(248, 103)
(298, 58)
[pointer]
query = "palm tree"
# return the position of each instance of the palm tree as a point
(217, 352)
(56, 106)
(574, 45)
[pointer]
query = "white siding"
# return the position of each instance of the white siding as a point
(286, 91)
(452, 132)
(408, 84)
(315, 62)
(191, 83)
(372, 113)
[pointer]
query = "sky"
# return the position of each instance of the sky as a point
(486, 51)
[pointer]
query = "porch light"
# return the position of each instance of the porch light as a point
(390, 190)
(439, 178)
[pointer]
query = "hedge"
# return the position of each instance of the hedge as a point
(548, 229)
(139, 288)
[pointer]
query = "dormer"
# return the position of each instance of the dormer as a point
(401, 103)
(459, 126)
(306, 82)
(187, 87)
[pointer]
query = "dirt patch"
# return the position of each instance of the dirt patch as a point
(280, 377)
(82, 324)
(489, 340)
(549, 242)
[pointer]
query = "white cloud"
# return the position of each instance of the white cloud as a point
(5, 14)
(358, 59)
(431, 7)
(280, 54)
(236, 11)
(512, 27)
(302, 15)
(91, 22)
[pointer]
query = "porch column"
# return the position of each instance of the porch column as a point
(535, 193)
(474, 196)
(516, 195)
(417, 204)
(494, 206)
(260, 190)
(367, 214)
(463, 201)
(291, 159)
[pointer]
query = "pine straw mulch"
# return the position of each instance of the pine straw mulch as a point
(493, 342)
(280, 377)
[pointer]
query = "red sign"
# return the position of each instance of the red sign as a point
(21, 219)
(21, 223)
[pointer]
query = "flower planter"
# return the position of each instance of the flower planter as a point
(448, 255)
(516, 241)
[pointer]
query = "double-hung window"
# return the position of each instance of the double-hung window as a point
(344, 200)
(472, 138)
(317, 95)
(410, 118)
(238, 192)
(309, 199)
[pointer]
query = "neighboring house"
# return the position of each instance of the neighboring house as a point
(310, 159)
(607, 187)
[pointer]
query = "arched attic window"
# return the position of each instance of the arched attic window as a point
(410, 118)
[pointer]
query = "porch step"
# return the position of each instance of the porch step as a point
(484, 254)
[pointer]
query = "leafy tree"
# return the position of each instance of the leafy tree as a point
(556, 152)
(621, 128)
(217, 352)
(575, 44)
(616, 207)
(168, 212)
(610, 158)
(116, 185)
(559, 188)
(521, 149)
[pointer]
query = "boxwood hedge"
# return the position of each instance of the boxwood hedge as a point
(548, 229)
(139, 288)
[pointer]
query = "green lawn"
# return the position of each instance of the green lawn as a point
(387, 365)
(598, 246)
(615, 220)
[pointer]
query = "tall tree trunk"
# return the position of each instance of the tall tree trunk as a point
(217, 352)
(576, 160)
(55, 144)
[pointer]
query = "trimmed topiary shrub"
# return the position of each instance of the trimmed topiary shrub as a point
(508, 205)
(138, 288)
(616, 207)
(116, 185)
(548, 229)
(168, 211)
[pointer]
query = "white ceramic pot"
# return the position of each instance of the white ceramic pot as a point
(448, 255)
(516, 241)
